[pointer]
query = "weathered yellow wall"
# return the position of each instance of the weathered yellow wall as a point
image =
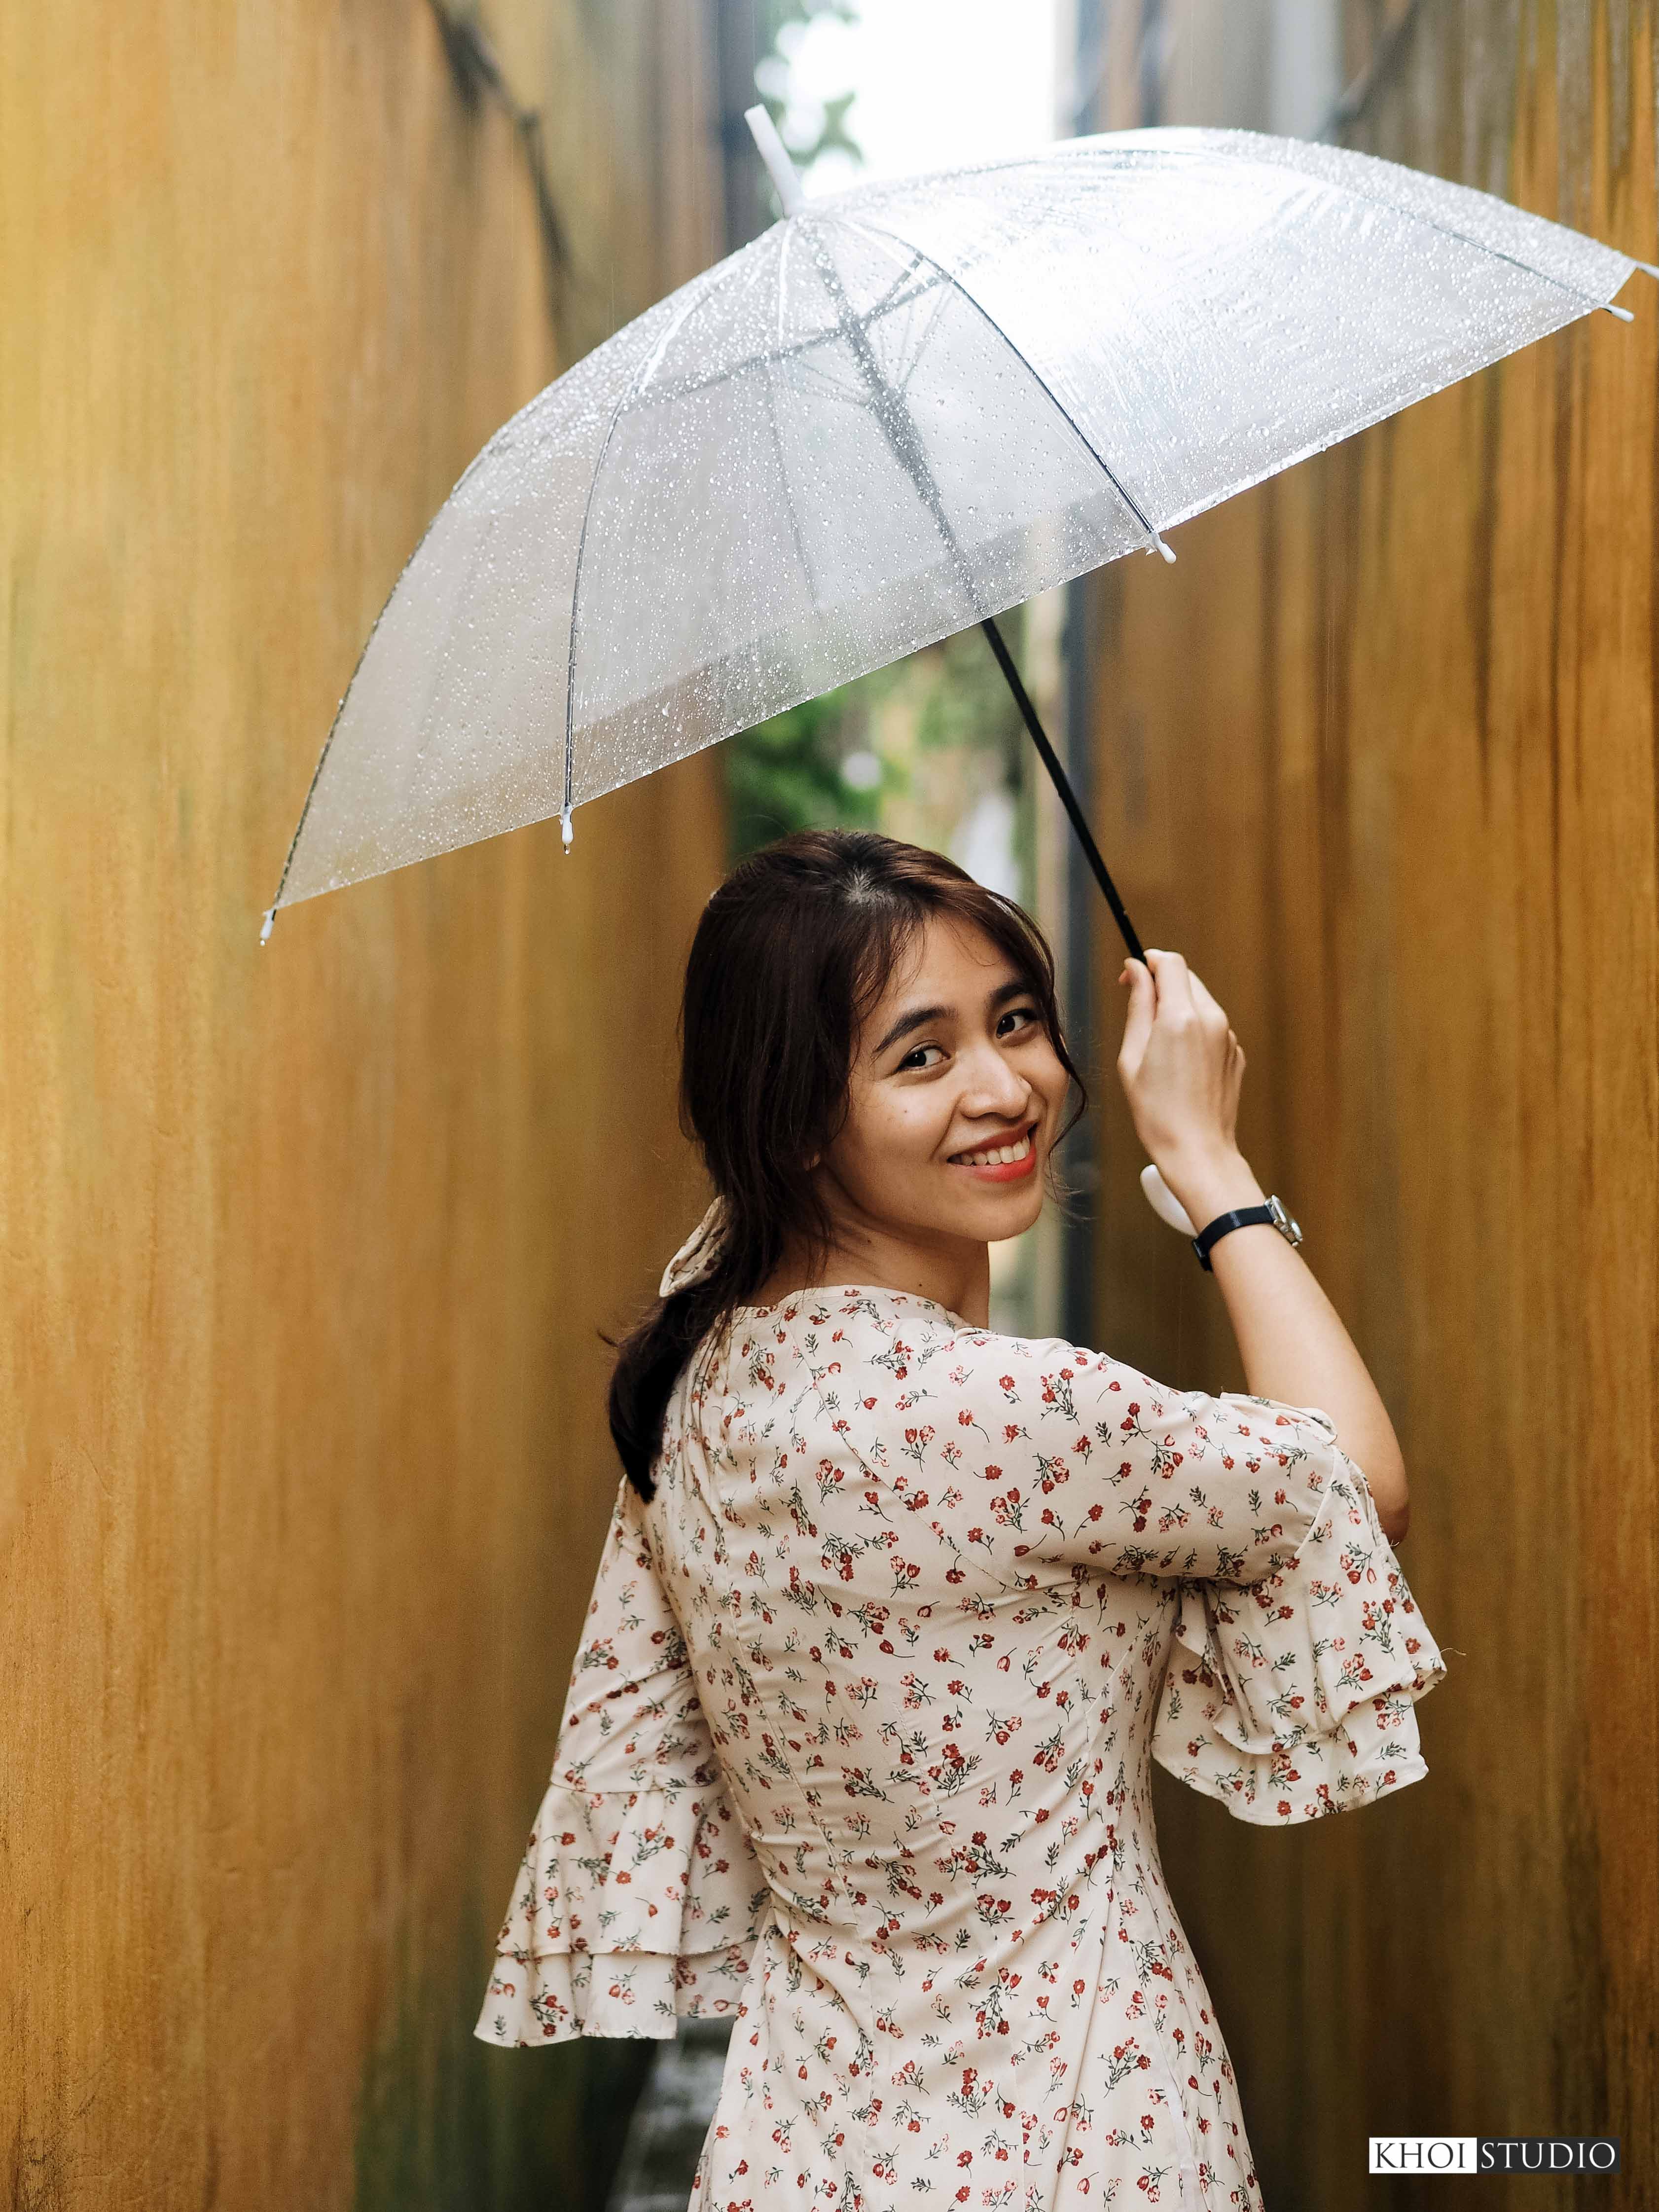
(303, 1250)
(1378, 754)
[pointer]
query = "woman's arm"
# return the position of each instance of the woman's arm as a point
(1181, 1066)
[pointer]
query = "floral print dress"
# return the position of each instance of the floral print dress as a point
(857, 1748)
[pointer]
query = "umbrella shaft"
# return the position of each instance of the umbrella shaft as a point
(1062, 783)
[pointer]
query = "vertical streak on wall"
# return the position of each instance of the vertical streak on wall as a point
(304, 1251)
(1397, 716)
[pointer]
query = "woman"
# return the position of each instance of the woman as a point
(895, 1611)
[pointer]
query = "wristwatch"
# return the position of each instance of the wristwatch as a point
(1272, 1215)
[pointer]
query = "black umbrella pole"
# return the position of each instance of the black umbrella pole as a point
(1062, 784)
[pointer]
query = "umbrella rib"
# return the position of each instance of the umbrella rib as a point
(689, 387)
(828, 385)
(933, 324)
(888, 298)
(789, 504)
(1041, 383)
(890, 403)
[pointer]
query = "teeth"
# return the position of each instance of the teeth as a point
(999, 1156)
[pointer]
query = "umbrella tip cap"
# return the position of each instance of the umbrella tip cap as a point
(267, 924)
(564, 826)
(782, 170)
(1159, 546)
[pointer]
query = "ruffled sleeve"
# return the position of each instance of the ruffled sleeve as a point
(1290, 1696)
(640, 1898)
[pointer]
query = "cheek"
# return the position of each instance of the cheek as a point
(1041, 1067)
(891, 1138)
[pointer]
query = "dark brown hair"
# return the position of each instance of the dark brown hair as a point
(791, 954)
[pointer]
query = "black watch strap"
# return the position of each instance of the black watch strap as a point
(1244, 1217)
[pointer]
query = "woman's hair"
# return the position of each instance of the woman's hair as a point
(793, 951)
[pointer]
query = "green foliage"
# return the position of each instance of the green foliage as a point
(966, 701)
(832, 136)
(786, 773)
(773, 17)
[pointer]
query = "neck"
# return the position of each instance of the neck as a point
(954, 1272)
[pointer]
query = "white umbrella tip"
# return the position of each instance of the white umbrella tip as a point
(776, 154)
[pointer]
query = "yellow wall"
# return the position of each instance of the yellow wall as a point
(1378, 753)
(303, 1250)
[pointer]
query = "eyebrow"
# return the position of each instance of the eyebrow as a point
(919, 1016)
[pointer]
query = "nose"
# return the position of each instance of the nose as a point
(993, 1088)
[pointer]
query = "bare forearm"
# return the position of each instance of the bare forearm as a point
(1290, 1338)
(1182, 1064)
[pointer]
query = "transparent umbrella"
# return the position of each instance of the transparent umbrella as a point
(903, 409)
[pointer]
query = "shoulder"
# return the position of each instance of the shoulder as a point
(922, 1349)
(820, 1337)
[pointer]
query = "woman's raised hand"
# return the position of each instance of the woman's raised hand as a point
(1180, 1067)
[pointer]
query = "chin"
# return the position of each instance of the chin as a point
(994, 1223)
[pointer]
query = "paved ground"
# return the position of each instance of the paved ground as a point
(671, 2120)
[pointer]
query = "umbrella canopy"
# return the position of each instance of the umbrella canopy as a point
(903, 409)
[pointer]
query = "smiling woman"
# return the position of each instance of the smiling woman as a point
(858, 1013)
(953, 1106)
(896, 1610)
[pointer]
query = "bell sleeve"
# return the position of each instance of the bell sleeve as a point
(1299, 1650)
(1290, 1696)
(640, 1898)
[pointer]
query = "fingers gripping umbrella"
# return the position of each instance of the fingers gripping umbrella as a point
(901, 411)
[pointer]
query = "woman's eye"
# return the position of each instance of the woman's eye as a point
(1017, 1016)
(917, 1059)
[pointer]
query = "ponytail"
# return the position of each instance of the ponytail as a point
(650, 1362)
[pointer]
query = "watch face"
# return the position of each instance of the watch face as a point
(1287, 1228)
